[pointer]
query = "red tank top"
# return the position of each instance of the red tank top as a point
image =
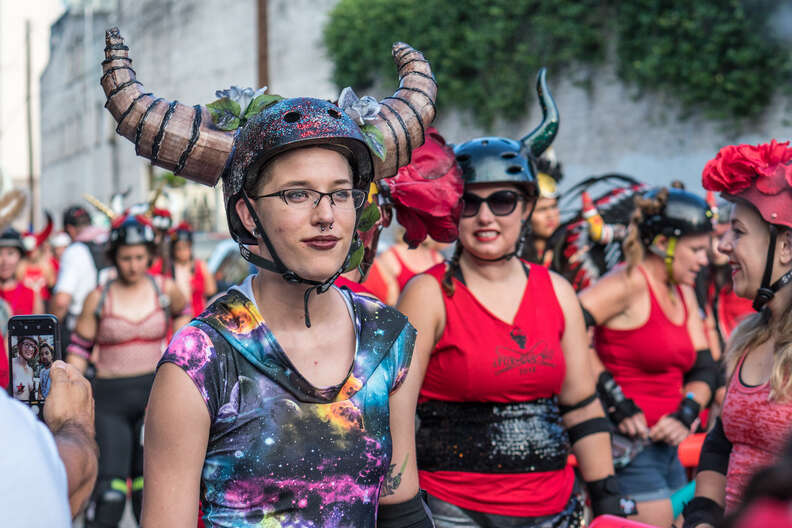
(375, 283)
(20, 298)
(649, 362)
(731, 310)
(35, 280)
(197, 283)
(405, 273)
(757, 428)
(352, 285)
(481, 358)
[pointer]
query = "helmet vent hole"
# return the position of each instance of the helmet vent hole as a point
(462, 158)
(292, 117)
(509, 155)
(514, 169)
(485, 142)
(334, 113)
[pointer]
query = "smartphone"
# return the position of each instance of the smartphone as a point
(34, 343)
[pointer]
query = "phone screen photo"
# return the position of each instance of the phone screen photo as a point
(33, 345)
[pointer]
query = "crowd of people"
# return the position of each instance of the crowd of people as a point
(422, 385)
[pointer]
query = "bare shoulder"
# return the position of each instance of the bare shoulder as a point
(423, 286)
(563, 289)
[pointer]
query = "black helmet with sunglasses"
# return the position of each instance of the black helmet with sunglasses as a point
(503, 160)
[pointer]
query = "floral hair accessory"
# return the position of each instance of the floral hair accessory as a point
(737, 167)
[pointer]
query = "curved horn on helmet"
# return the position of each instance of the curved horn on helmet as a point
(542, 136)
(100, 206)
(45, 233)
(173, 136)
(405, 115)
(11, 205)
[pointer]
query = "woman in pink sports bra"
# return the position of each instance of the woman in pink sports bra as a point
(128, 319)
(756, 419)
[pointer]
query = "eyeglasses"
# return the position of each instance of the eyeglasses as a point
(501, 203)
(348, 199)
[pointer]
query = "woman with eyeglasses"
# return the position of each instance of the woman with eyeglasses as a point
(508, 388)
(288, 401)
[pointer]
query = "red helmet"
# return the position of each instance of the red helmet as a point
(762, 176)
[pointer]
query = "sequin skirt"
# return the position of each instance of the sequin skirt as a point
(486, 437)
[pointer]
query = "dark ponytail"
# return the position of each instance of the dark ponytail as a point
(451, 269)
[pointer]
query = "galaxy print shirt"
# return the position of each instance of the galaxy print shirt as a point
(281, 452)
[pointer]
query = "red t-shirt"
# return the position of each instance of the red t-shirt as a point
(20, 298)
(649, 362)
(481, 358)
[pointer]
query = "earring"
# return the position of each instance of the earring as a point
(256, 232)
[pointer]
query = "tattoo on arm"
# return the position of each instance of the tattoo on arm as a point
(392, 480)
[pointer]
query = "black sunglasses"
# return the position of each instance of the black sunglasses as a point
(501, 203)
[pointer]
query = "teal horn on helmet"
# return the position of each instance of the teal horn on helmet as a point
(537, 141)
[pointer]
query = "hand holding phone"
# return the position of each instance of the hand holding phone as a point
(33, 345)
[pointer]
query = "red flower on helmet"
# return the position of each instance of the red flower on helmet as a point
(737, 167)
(427, 193)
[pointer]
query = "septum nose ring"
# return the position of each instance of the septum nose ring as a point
(326, 227)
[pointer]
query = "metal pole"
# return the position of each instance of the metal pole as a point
(29, 112)
(262, 49)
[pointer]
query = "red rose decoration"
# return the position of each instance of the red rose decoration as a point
(427, 193)
(737, 167)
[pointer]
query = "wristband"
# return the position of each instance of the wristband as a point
(702, 510)
(616, 404)
(688, 411)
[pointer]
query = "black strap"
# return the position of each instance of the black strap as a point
(616, 404)
(413, 513)
(579, 405)
(588, 427)
(702, 510)
(587, 317)
(276, 264)
(687, 412)
(767, 291)
(715, 451)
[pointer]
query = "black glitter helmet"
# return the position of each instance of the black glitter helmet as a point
(286, 125)
(503, 160)
(684, 214)
(12, 238)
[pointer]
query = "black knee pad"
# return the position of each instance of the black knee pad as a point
(107, 506)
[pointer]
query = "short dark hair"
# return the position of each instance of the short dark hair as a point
(76, 216)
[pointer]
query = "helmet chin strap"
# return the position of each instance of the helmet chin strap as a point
(667, 256)
(276, 265)
(767, 291)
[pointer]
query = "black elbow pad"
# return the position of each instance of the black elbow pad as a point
(704, 369)
(715, 451)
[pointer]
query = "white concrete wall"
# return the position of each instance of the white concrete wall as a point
(186, 49)
(13, 125)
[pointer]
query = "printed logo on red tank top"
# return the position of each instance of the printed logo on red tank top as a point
(526, 360)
